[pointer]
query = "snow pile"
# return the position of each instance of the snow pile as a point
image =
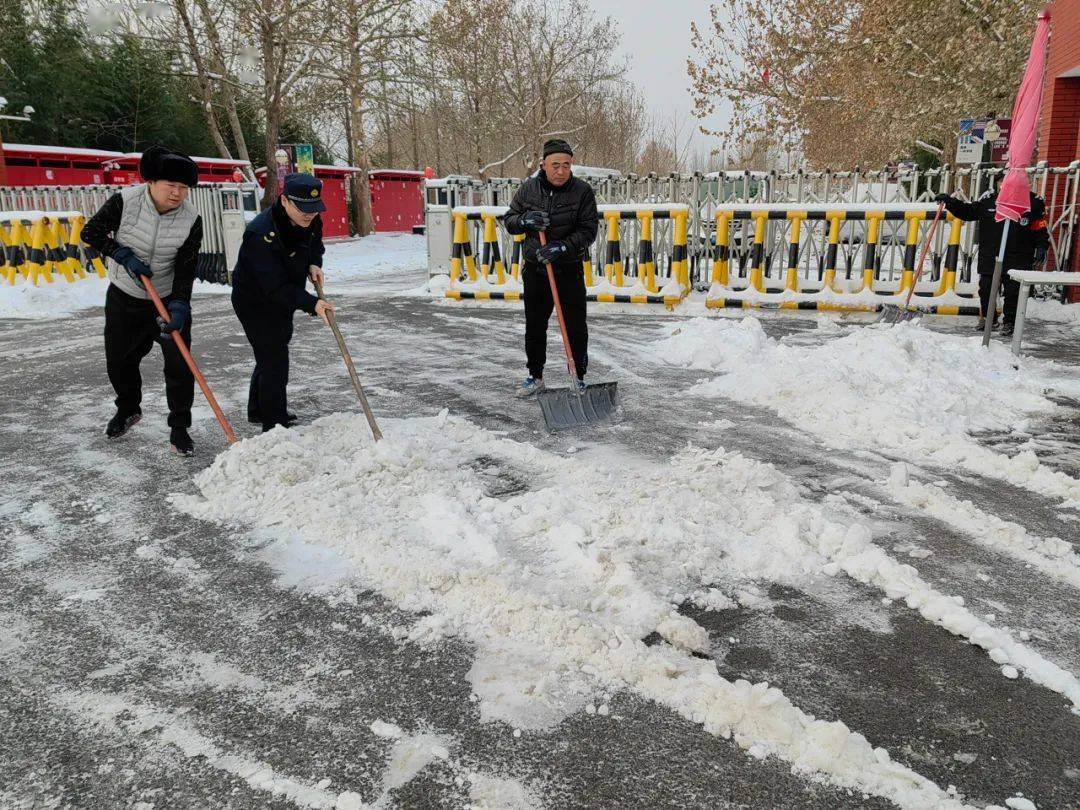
(56, 300)
(557, 586)
(374, 256)
(1053, 311)
(915, 392)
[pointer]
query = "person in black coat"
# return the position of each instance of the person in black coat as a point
(282, 248)
(564, 207)
(1026, 247)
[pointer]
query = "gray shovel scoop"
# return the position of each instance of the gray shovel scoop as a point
(574, 406)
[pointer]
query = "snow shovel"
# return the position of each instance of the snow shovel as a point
(891, 313)
(562, 407)
(179, 341)
(350, 367)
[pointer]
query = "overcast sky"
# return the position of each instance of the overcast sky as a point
(656, 38)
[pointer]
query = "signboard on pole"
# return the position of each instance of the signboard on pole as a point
(305, 158)
(285, 158)
(969, 145)
(975, 132)
(996, 134)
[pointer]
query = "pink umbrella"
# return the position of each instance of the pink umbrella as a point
(1014, 199)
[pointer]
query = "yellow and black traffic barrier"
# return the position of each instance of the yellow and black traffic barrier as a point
(492, 283)
(36, 245)
(866, 294)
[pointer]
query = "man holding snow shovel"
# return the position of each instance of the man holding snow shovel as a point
(282, 248)
(150, 231)
(1027, 245)
(564, 207)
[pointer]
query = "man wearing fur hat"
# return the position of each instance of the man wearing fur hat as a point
(151, 231)
(564, 207)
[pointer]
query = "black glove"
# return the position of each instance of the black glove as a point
(126, 258)
(179, 317)
(535, 220)
(943, 198)
(551, 252)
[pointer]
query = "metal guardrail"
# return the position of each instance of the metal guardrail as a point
(704, 193)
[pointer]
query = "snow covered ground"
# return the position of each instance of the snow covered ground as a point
(818, 563)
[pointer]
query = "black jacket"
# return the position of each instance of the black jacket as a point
(99, 230)
(275, 255)
(1026, 237)
(572, 208)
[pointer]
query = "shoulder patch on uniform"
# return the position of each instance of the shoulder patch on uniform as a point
(268, 240)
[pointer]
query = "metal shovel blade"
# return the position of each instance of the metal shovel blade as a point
(892, 313)
(564, 407)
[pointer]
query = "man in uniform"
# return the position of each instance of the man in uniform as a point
(564, 207)
(150, 231)
(282, 248)
(1027, 244)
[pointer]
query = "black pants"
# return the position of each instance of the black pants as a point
(1011, 288)
(538, 307)
(130, 331)
(269, 331)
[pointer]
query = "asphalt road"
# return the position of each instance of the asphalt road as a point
(148, 659)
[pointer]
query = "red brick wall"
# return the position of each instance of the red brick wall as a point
(1058, 131)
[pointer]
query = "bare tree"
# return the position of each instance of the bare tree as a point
(857, 81)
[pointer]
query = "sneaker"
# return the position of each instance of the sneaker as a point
(181, 442)
(530, 388)
(981, 326)
(1007, 330)
(120, 424)
(581, 386)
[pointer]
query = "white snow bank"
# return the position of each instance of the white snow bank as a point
(1053, 311)
(904, 388)
(380, 254)
(567, 578)
(385, 260)
(47, 301)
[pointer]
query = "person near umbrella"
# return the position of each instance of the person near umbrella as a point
(564, 207)
(281, 250)
(1025, 248)
(150, 231)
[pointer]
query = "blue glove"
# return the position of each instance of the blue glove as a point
(551, 252)
(535, 220)
(126, 258)
(179, 317)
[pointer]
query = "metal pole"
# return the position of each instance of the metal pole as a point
(991, 306)
(1021, 312)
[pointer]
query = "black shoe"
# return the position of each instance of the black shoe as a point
(1007, 330)
(981, 326)
(290, 419)
(181, 442)
(121, 423)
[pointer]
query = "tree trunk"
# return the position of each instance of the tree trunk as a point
(206, 90)
(350, 157)
(228, 92)
(359, 183)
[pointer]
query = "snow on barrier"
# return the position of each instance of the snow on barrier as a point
(655, 256)
(882, 277)
(36, 244)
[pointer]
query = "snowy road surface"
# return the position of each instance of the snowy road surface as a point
(816, 564)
